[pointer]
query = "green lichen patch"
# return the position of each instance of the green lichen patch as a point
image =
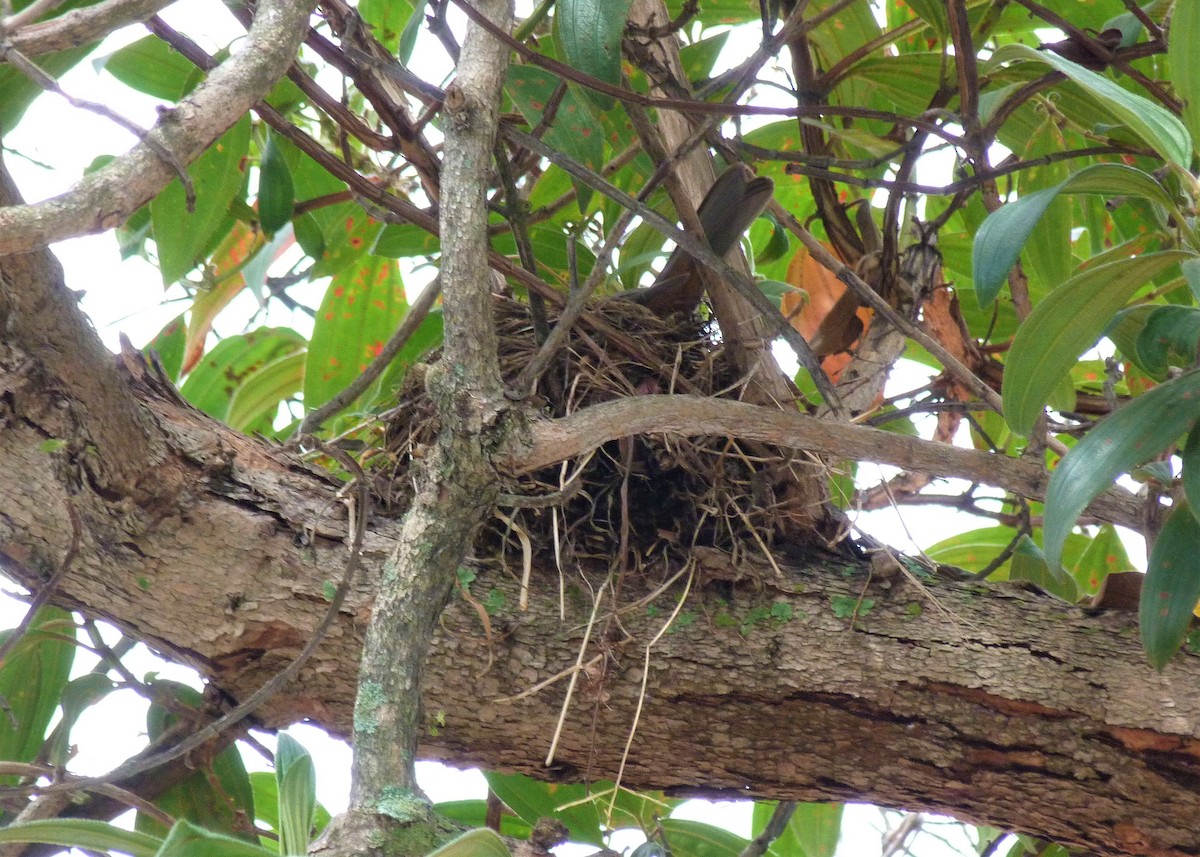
(366, 707)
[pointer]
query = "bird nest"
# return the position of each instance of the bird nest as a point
(634, 498)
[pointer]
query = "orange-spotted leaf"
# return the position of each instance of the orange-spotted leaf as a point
(347, 241)
(574, 130)
(1172, 586)
(361, 309)
(1104, 555)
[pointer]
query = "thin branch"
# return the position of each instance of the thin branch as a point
(803, 168)
(776, 825)
(46, 81)
(691, 416)
(44, 807)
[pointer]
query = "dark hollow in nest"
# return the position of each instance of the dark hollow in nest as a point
(649, 492)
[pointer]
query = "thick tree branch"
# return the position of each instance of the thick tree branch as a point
(105, 198)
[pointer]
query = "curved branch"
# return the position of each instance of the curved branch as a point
(587, 429)
(82, 26)
(107, 197)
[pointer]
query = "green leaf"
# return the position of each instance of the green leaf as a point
(276, 193)
(1048, 249)
(696, 839)
(188, 840)
(1170, 338)
(168, 343)
(297, 781)
(933, 13)
(480, 842)
(358, 314)
(1172, 586)
(266, 802)
(776, 247)
(531, 800)
(309, 235)
(217, 175)
(402, 240)
(82, 833)
(1191, 273)
(1183, 51)
(1126, 326)
(152, 66)
(1064, 325)
(1153, 124)
(213, 795)
(589, 33)
(473, 813)
(1138, 432)
(1190, 474)
(813, 830)
(80, 694)
(258, 398)
(387, 20)
(212, 385)
(698, 58)
(32, 680)
(1028, 563)
(999, 241)
(412, 29)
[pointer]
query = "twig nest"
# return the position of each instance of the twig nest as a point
(650, 493)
